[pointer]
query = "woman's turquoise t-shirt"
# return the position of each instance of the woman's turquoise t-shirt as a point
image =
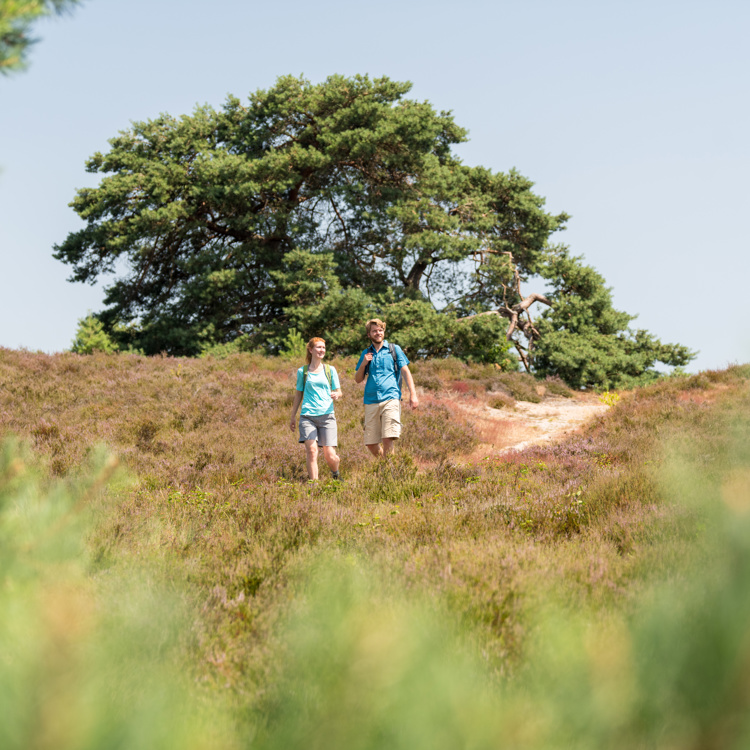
(317, 399)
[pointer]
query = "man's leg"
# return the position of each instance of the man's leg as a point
(311, 454)
(373, 429)
(390, 419)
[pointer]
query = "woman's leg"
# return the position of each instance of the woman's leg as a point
(311, 454)
(331, 457)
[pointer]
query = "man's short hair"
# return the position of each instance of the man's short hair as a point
(373, 322)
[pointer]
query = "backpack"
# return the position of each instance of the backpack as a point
(397, 371)
(326, 370)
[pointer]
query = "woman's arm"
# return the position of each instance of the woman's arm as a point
(335, 392)
(295, 405)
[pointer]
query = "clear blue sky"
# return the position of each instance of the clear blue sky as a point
(633, 117)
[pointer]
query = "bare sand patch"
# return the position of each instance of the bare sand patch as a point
(525, 424)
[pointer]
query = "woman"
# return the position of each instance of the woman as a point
(317, 388)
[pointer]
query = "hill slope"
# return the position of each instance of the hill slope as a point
(484, 541)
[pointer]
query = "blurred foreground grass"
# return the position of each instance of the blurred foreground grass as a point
(84, 663)
(591, 594)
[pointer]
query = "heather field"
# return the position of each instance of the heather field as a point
(169, 579)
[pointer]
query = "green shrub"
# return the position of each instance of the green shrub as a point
(501, 401)
(556, 387)
(91, 337)
(520, 385)
(221, 351)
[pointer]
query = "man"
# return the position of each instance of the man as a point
(383, 389)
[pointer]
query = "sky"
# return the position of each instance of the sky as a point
(633, 117)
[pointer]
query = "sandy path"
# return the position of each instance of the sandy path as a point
(515, 428)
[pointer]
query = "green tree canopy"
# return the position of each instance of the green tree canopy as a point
(311, 207)
(585, 341)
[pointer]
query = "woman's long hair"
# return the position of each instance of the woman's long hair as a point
(310, 344)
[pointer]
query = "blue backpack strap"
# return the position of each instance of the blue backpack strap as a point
(304, 377)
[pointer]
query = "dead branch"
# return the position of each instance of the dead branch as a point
(514, 315)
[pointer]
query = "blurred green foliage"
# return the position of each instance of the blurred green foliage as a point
(85, 663)
(368, 666)
(17, 18)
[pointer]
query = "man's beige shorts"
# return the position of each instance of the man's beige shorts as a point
(382, 420)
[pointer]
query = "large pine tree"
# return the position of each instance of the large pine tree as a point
(310, 207)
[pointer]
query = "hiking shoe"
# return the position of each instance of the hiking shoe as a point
(336, 476)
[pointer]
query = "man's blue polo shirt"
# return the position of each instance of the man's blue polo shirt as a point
(382, 384)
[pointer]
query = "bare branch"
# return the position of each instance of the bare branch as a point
(531, 299)
(514, 315)
(522, 356)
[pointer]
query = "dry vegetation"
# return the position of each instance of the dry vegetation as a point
(216, 502)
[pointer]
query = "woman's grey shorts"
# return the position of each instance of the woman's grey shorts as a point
(322, 428)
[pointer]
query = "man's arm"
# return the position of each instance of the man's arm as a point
(406, 375)
(359, 375)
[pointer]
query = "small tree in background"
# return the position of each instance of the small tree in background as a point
(91, 337)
